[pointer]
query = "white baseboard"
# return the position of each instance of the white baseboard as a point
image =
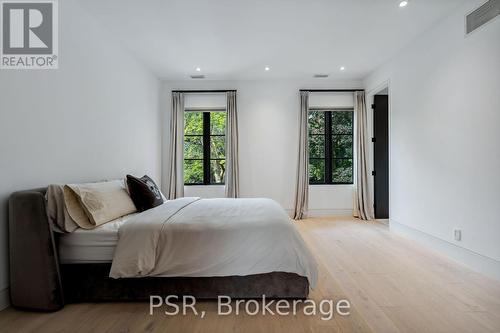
(475, 261)
(324, 212)
(4, 298)
(382, 221)
(329, 212)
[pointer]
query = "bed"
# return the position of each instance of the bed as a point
(48, 269)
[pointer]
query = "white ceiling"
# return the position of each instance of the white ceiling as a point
(236, 39)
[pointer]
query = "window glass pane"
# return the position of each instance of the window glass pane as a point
(217, 171)
(342, 171)
(193, 147)
(193, 172)
(317, 146)
(217, 122)
(217, 146)
(316, 171)
(193, 122)
(342, 146)
(194, 143)
(342, 122)
(316, 122)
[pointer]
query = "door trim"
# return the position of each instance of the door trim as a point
(380, 146)
(370, 99)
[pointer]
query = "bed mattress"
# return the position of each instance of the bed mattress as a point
(91, 246)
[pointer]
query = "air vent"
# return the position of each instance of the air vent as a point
(482, 15)
(197, 76)
(320, 76)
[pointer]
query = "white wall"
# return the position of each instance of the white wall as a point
(268, 113)
(96, 117)
(205, 100)
(445, 136)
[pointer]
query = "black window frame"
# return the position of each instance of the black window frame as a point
(206, 140)
(328, 139)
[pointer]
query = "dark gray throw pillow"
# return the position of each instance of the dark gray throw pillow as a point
(144, 192)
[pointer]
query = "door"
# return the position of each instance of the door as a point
(381, 156)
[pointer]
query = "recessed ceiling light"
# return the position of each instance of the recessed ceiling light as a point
(342, 68)
(267, 68)
(198, 69)
(403, 3)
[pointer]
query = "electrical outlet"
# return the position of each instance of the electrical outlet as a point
(457, 233)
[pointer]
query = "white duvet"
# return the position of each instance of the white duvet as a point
(211, 237)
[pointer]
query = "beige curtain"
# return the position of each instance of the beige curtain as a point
(362, 201)
(175, 173)
(302, 181)
(232, 164)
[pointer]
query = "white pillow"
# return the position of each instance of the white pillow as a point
(93, 204)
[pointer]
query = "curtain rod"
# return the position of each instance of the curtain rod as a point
(331, 90)
(201, 91)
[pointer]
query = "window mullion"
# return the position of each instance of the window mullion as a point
(328, 147)
(206, 148)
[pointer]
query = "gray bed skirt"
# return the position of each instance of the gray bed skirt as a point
(39, 282)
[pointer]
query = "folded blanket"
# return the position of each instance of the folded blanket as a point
(57, 213)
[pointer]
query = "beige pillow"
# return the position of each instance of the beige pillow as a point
(75, 209)
(93, 204)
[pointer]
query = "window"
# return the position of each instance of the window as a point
(331, 146)
(204, 147)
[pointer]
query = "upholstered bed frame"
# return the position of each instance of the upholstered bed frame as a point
(39, 282)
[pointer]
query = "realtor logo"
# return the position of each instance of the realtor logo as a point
(29, 34)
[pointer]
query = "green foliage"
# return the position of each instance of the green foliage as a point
(217, 171)
(194, 143)
(342, 122)
(193, 147)
(316, 170)
(342, 146)
(193, 123)
(316, 146)
(218, 123)
(193, 171)
(316, 122)
(342, 170)
(217, 147)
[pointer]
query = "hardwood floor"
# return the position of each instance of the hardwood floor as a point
(393, 285)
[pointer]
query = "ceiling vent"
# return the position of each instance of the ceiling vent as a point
(197, 76)
(320, 76)
(487, 12)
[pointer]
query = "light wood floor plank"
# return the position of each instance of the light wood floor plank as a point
(392, 283)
